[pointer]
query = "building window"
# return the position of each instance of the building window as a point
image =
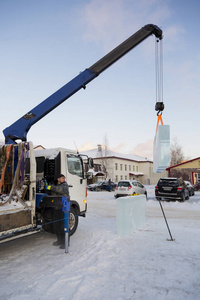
(121, 167)
(116, 178)
(116, 166)
(133, 168)
(121, 177)
(125, 177)
(125, 167)
(129, 167)
(136, 168)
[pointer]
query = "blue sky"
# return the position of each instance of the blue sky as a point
(46, 43)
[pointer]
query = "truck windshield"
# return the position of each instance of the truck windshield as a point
(75, 165)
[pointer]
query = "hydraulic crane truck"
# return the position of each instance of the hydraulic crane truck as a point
(24, 171)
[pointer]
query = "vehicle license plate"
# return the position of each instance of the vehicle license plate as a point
(122, 189)
(167, 188)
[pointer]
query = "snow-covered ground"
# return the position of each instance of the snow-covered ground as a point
(103, 265)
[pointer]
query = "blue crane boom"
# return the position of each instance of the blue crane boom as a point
(19, 129)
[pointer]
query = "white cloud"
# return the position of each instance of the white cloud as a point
(104, 21)
(144, 149)
(87, 146)
(119, 148)
(109, 22)
(174, 31)
(173, 38)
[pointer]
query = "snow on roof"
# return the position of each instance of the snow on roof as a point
(94, 153)
(136, 173)
(52, 152)
(96, 173)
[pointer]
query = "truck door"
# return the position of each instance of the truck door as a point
(75, 179)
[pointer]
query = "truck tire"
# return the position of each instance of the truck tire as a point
(73, 221)
(48, 220)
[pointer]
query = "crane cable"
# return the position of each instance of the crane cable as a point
(159, 70)
(159, 80)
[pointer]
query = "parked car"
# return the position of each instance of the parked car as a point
(190, 188)
(102, 185)
(197, 186)
(171, 188)
(94, 186)
(129, 188)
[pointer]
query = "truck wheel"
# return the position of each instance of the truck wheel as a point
(73, 221)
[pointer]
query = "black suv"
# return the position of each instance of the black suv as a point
(107, 186)
(171, 188)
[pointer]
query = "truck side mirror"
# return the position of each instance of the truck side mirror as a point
(90, 163)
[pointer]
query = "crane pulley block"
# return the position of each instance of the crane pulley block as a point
(159, 107)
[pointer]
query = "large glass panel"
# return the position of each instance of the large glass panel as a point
(161, 151)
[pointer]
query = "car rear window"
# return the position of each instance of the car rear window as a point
(124, 183)
(168, 182)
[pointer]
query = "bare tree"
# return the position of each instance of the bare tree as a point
(177, 155)
(104, 153)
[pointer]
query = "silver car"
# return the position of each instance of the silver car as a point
(129, 188)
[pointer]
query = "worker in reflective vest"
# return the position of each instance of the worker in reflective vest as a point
(61, 189)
